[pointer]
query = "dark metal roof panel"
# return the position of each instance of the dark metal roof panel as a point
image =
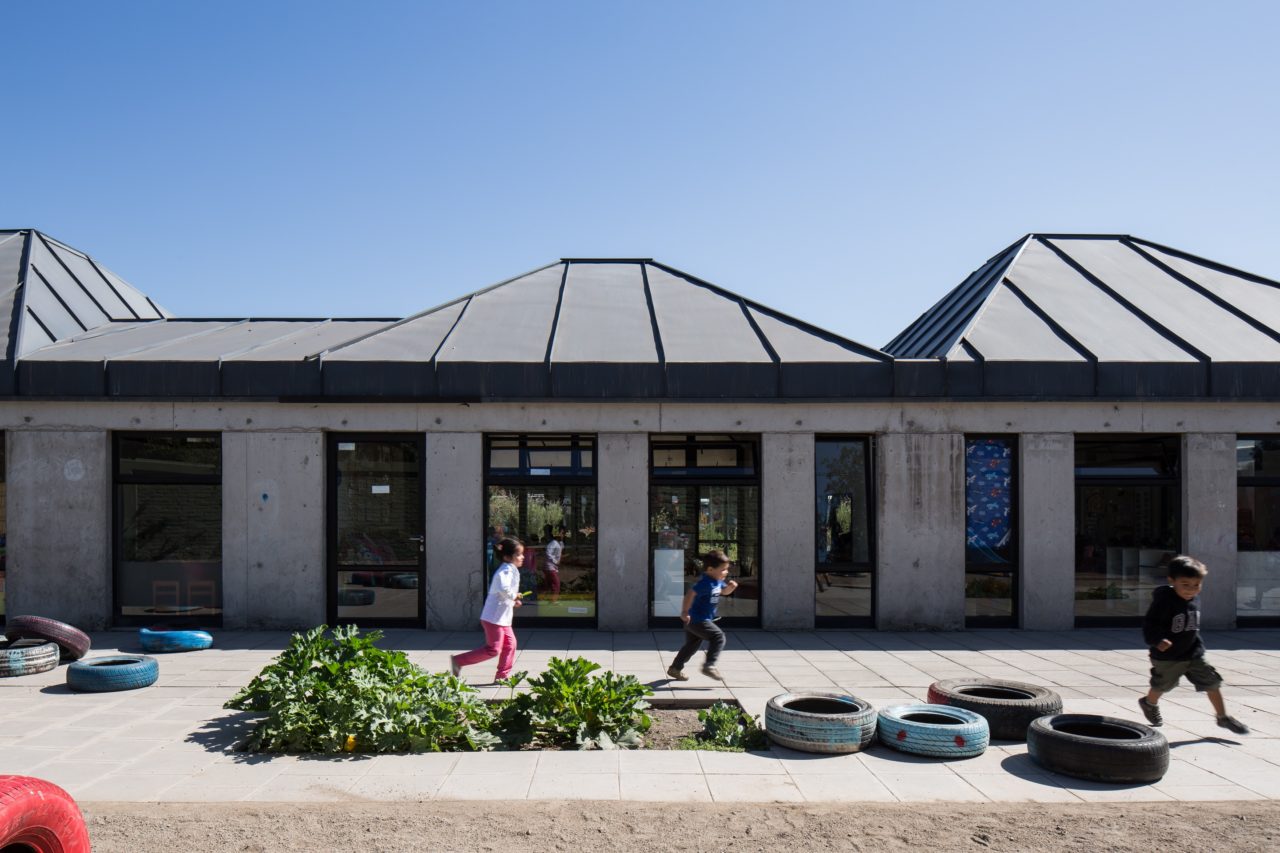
(1258, 299)
(604, 316)
(12, 246)
(698, 324)
(511, 322)
(311, 339)
(1194, 318)
(74, 297)
(125, 339)
(1101, 324)
(52, 321)
(1008, 330)
(234, 337)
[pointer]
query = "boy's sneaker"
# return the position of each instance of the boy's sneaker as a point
(454, 669)
(1232, 724)
(1152, 712)
(676, 674)
(711, 672)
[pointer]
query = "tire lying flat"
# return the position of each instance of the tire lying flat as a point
(73, 642)
(27, 657)
(355, 597)
(161, 640)
(1008, 706)
(820, 722)
(39, 816)
(937, 731)
(1102, 749)
(112, 672)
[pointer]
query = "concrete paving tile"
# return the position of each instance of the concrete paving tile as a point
(1099, 792)
(1205, 793)
(495, 763)
(303, 789)
(753, 788)
(441, 763)
(817, 763)
(1186, 774)
(193, 792)
(555, 785)
(1267, 783)
(918, 787)
(246, 776)
(665, 761)
(754, 763)
(130, 788)
(486, 786)
(1028, 788)
(664, 788)
(22, 759)
(111, 749)
(851, 788)
(578, 761)
(383, 787)
(75, 774)
(326, 765)
(882, 760)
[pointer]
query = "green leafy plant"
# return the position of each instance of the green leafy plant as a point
(341, 693)
(727, 728)
(567, 705)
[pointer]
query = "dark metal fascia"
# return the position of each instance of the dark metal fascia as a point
(1205, 262)
(74, 278)
(1207, 294)
(829, 337)
(19, 305)
(653, 325)
(555, 319)
(58, 296)
(1159, 328)
(976, 355)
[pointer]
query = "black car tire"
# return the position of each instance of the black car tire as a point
(1008, 706)
(1102, 749)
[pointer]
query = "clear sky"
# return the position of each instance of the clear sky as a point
(845, 163)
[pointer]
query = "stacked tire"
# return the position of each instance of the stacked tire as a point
(27, 657)
(1007, 706)
(73, 642)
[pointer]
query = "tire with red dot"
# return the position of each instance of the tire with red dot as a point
(39, 817)
(936, 731)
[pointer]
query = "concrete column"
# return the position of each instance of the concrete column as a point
(1209, 520)
(787, 531)
(455, 530)
(622, 466)
(920, 519)
(58, 559)
(273, 530)
(1046, 530)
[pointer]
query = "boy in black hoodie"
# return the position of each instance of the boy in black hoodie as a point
(1172, 631)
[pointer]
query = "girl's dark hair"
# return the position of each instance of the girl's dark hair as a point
(714, 559)
(1183, 566)
(508, 547)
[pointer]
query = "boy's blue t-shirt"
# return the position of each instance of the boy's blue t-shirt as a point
(706, 596)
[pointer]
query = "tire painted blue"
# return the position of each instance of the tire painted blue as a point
(112, 672)
(937, 731)
(27, 657)
(820, 722)
(174, 641)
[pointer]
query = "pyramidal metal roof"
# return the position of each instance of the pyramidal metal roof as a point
(1062, 315)
(581, 328)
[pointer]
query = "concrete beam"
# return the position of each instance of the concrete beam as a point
(788, 535)
(59, 519)
(622, 594)
(454, 508)
(920, 518)
(1209, 520)
(1046, 531)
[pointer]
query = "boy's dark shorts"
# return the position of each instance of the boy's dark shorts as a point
(1165, 674)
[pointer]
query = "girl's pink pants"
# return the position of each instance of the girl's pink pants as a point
(499, 640)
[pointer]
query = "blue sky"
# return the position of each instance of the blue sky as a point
(845, 163)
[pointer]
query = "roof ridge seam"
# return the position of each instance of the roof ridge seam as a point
(983, 297)
(75, 278)
(1056, 327)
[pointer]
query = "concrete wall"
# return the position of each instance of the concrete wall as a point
(273, 530)
(788, 535)
(1047, 530)
(622, 467)
(454, 527)
(920, 519)
(58, 554)
(1209, 520)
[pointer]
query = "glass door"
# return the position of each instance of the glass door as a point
(376, 535)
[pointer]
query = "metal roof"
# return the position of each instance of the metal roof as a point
(1060, 315)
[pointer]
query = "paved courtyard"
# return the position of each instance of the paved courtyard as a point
(171, 742)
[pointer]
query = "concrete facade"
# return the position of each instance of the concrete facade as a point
(274, 573)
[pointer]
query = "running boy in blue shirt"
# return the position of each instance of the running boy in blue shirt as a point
(698, 612)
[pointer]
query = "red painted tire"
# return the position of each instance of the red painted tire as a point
(73, 642)
(39, 816)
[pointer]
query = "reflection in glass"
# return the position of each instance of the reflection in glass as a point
(841, 512)
(843, 594)
(4, 524)
(1125, 537)
(378, 595)
(557, 525)
(687, 521)
(988, 595)
(1258, 457)
(161, 456)
(1258, 551)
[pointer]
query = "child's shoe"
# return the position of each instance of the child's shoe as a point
(676, 674)
(1152, 712)
(1230, 723)
(711, 672)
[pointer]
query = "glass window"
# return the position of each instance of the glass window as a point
(990, 549)
(168, 527)
(1258, 530)
(4, 524)
(704, 495)
(548, 502)
(842, 515)
(1128, 523)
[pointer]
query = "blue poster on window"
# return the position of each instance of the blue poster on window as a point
(988, 475)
